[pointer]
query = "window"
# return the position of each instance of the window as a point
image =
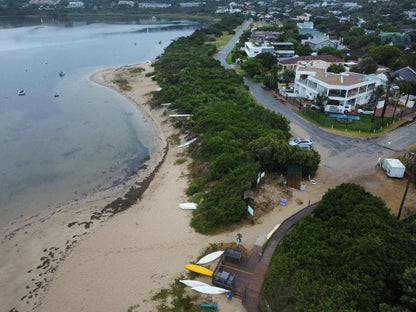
(336, 92)
(352, 92)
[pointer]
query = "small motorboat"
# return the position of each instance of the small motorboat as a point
(21, 92)
(61, 74)
(56, 95)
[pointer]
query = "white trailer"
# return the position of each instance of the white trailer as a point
(393, 167)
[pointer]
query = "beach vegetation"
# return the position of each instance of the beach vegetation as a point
(180, 161)
(350, 254)
(134, 308)
(122, 83)
(175, 139)
(176, 298)
(229, 125)
(136, 70)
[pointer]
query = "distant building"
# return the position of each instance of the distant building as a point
(75, 4)
(151, 5)
(284, 50)
(305, 17)
(406, 73)
(306, 28)
(315, 61)
(252, 49)
(307, 25)
(127, 4)
(191, 4)
(319, 42)
(45, 2)
(394, 38)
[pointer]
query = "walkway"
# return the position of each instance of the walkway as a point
(249, 273)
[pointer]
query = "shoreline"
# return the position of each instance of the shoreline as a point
(144, 249)
(25, 270)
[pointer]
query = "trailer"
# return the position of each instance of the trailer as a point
(393, 168)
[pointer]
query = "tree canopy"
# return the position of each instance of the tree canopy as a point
(348, 255)
(385, 54)
(331, 51)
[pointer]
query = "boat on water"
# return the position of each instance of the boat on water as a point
(21, 92)
(56, 95)
(61, 74)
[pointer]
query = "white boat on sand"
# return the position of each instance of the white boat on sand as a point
(187, 143)
(210, 257)
(188, 206)
(210, 290)
(193, 283)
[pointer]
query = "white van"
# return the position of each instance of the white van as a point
(393, 168)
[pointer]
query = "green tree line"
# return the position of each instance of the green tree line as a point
(237, 137)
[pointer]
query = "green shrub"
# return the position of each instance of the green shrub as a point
(193, 188)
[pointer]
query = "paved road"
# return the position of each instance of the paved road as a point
(339, 153)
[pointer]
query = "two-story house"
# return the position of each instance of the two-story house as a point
(253, 49)
(342, 89)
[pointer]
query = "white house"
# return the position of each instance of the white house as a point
(125, 3)
(341, 89)
(252, 49)
(75, 4)
(284, 50)
(307, 25)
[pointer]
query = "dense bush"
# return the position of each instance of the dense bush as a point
(226, 121)
(349, 255)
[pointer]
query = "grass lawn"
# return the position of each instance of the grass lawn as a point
(356, 128)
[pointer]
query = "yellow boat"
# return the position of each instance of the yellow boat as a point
(198, 269)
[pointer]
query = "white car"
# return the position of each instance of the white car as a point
(317, 107)
(301, 142)
(364, 111)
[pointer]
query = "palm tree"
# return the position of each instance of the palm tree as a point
(407, 87)
(288, 76)
(378, 92)
(391, 78)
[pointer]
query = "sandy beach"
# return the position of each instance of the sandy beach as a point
(64, 260)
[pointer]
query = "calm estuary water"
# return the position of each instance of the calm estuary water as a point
(56, 149)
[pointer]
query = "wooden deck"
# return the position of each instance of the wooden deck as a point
(249, 272)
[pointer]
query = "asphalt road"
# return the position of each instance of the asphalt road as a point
(341, 154)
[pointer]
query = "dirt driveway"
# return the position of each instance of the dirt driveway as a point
(358, 166)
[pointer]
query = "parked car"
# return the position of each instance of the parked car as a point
(340, 109)
(316, 107)
(364, 111)
(301, 142)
